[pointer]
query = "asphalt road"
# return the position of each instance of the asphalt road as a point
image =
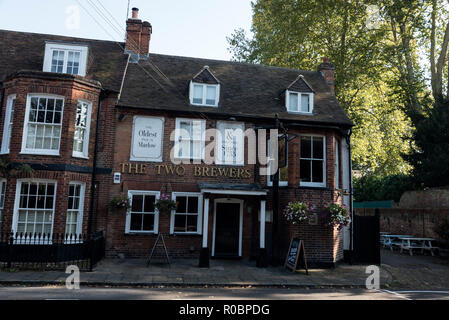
(61, 293)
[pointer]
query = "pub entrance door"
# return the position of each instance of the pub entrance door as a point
(228, 223)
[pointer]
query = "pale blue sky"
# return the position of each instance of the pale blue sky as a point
(196, 28)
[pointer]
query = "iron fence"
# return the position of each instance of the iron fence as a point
(51, 251)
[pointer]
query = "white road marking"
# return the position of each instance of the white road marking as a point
(394, 293)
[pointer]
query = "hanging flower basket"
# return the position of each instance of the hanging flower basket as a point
(297, 212)
(336, 215)
(165, 204)
(120, 203)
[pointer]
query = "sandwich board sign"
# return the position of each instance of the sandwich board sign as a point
(296, 256)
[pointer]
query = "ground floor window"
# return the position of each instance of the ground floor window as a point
(143, 216)
(74, 219)
(2, 200)
(34, 207)
(187, 217)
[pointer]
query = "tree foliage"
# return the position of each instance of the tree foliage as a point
(377, 188)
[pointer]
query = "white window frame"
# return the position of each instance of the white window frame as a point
(178, 136)
(85, 153)
(269, 178)
(15, 219)
(79, 222)
(8, 125)
(46, 152)
(204, 85)
(311, 101)
(220, 158)
(315, 184)
(3, 186)
(337, 164)
(50, 47)
(132, 193)
(200, 213)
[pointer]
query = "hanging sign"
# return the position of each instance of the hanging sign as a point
(148, 134)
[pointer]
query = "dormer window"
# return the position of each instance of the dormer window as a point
(205, 89)
(69, 59)
(299, 97)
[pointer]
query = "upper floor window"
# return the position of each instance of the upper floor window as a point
(7, 129)
(337, 165)
(82, 129)
(313, 161)
(43, 122)
(70, 59)
(230, 143)
(283, 172)
(299, 102)
(190, 139)
(204, 94)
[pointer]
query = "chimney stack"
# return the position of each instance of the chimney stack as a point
(327, 69)
(138, 36)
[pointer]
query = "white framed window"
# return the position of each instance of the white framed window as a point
(75, 209)
(204, 94)
(313, 161)
(34, 208)
(230, 148)
(61, 58)
(283, 172)
(43, 123)
(190, 137)
(298, 102)
(143, 216)
(82, 129)
(337, 165)
(2, 200)
(187, 218)
(9, 119)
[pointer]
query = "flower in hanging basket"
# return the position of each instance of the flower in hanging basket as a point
(121, 202)
(336, 215)
(165, 204)
(296, 212)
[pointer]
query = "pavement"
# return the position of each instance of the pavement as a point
(185, 273)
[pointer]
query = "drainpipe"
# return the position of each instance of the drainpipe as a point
(92, 222)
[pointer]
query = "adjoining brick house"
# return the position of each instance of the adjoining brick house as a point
(71, 105)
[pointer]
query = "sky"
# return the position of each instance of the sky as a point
(192, 28)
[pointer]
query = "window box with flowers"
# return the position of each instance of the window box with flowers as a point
(165, 205)
(297, 212)
(336, 215)
(121, 203)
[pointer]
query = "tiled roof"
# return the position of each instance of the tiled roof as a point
(25, 51)
(246, 89)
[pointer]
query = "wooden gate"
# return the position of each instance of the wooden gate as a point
(367, 239)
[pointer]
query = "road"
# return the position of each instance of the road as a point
(89, 293)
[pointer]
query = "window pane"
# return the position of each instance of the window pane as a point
(283, 174)
(305, 172)
(305, 103)
(148, 222)
(293, 103)
(136, 222)
(198, 94)
(192, 223)
(318, 146)
(211, 95)
(149, 203)
(306, 148)
(317, 171)
(137, 203)
(181, 203)
(193, 205)
(180, 223)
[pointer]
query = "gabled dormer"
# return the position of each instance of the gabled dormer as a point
(299, 96)
(205, 89)
(65, 58)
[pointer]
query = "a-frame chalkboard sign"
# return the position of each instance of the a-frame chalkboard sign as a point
(296, 256)
(159, 244)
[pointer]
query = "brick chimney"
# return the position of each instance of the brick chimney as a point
(138, 35)
(327, 69)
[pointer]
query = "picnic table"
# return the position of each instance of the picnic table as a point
(392, 240)
(411, 243)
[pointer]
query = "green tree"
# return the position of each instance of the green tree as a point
(298, 34)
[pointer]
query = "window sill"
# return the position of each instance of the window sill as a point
(313, 187)
(80, 157)
(186, 234)
(141, 233)
(30, 153)
(302, 113)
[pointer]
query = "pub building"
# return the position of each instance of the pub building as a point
(99, 120)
